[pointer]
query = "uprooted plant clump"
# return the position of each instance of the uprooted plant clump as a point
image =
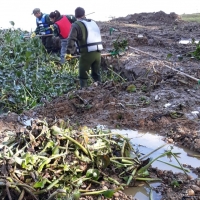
(55, 161)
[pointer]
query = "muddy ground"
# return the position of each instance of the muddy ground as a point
(151, 96)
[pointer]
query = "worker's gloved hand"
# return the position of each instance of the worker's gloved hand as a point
(51, 27)
(33, 35)
(68, 56)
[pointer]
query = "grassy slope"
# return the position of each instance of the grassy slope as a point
(195, 17)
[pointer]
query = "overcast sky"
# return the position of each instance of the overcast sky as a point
(20, 11)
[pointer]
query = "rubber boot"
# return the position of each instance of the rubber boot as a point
(83, 83)
(96, 78)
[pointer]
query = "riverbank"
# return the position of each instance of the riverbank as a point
(149, 96)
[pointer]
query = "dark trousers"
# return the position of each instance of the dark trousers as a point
(48, 43)
(90, 60)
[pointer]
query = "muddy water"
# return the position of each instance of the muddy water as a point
(142, 192)
(147, 142)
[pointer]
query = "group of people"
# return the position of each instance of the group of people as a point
(77, 35)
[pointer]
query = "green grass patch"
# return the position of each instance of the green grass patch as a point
(195, 17)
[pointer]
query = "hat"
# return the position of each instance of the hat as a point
(36, 10)
(79, 12)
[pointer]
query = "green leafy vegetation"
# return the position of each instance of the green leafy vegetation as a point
(28, 74)
(111, 75)
(175, 183)
(120, 45)
(196, 53)
(54, 162)
(131, 88)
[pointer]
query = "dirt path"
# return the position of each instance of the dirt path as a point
(153, 98)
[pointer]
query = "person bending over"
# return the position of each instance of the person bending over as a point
(43, 28)
(61, 27)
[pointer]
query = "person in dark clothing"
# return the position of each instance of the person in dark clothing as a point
(86, 34)
(61, 27)
(43, 28)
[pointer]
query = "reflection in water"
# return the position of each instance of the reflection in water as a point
(28, 122)
(145, 143)
(140, 36)
(142, 192)
(187, 41)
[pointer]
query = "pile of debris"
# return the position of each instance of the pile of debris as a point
(49, 161)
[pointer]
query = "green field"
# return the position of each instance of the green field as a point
(191, 17)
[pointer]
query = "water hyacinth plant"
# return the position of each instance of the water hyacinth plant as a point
(51, 161)
(28, 73)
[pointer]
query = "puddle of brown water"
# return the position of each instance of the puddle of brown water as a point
(147, 142)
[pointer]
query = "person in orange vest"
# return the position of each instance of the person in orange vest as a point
(61, 27)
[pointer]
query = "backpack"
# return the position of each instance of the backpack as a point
(71, 18)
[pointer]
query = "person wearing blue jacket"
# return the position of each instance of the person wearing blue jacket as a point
(43, 28)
